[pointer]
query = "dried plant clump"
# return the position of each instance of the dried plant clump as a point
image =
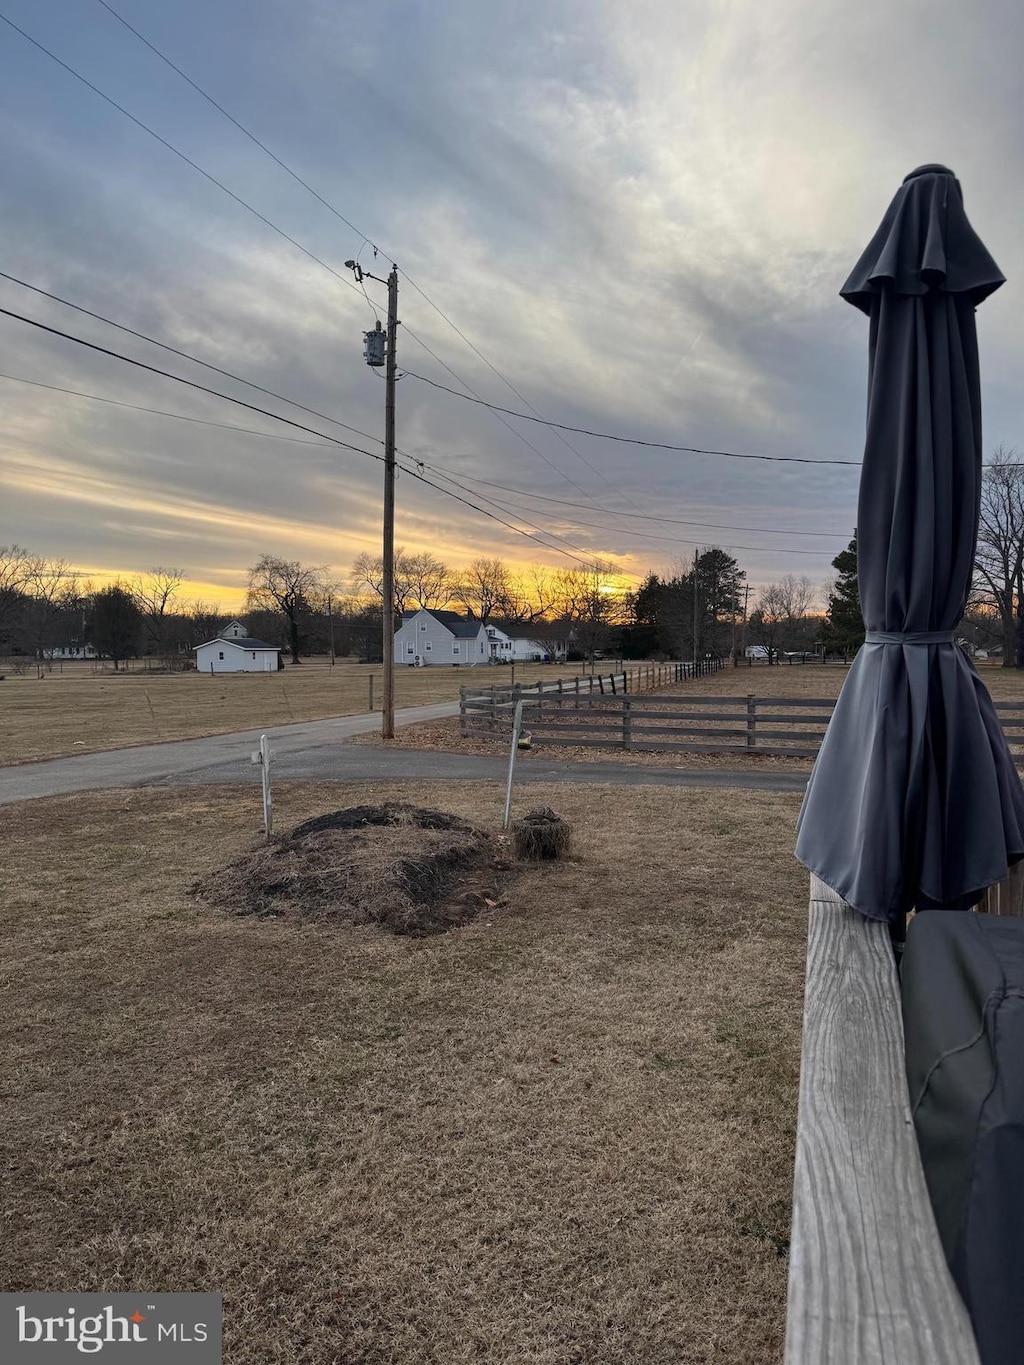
(410, 870)
(541, 834)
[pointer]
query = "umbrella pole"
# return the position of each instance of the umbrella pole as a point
(898, 935)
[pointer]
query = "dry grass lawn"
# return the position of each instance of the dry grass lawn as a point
(560, 1135)
(78, 712)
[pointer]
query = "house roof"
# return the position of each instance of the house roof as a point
(462, 627)
(240, 642)
(540, 631)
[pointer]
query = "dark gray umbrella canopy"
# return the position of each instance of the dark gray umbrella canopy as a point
(914, 799)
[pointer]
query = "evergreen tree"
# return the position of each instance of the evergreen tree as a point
(844, 629)
(116, 622)
(639, 634)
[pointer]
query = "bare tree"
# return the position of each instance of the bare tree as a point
(154, 596)
(420, 579)
(483, 587)
(999, 563)
(782, 609)
(51, 586)
(526, 597)
(15, 567)
(204, 621)
(430, 581)
(587, 599)
(286, 586)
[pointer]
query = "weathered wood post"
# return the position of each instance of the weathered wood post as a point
(517, 725)
(751, 721)
(627, 718)
(370, 706)
(262, 756)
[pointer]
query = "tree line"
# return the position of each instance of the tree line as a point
(48, 609)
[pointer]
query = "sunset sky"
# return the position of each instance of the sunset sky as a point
(639, 213)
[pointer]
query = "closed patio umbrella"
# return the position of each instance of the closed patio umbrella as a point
(914, 799)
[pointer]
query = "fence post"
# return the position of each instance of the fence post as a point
(627, 716)
(751, 721)
(600, 683)
(517, 725)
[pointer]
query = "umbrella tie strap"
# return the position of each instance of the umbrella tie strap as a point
(909, 637)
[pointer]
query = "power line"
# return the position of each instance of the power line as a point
(237, 198)
(240, 126)
(517, 434)
(264, 412)
(647, 516)
(190, 383)
(177, 152)
(173, 350)
(624, 440)
(246, 132)
(672, 540)
(442, 473)
(159, 412)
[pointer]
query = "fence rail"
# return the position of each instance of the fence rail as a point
(608, 713)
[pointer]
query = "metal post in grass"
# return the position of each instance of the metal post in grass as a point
(370, 707)
(262, 756)
(517, 725)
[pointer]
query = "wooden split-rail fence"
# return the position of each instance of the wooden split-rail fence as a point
(628, 711)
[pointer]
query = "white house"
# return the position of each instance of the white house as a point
(432, 638)
(235, 651)
(526, 644)
(429, 638)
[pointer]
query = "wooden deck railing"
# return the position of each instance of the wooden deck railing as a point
(868, 1281)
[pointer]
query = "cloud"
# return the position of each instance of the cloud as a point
(641, 215)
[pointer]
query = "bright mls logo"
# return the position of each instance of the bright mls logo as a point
(135, 1328)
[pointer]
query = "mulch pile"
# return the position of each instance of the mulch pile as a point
(410, 870)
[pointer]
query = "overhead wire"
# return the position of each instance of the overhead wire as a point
(277, 417)
(627, 440)
(366, 239)
(177, 152)
(648, 516)
(185, 355)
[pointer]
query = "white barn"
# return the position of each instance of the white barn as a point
(235, 651)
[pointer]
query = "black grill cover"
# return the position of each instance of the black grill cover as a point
(963, 1016)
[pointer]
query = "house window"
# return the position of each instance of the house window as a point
(254, 654)
(409, 649)
(220, 655)
(423, 627)
(455, 647)
(428, 644)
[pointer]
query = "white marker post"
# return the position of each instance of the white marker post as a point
(517, 725)
(262, 756)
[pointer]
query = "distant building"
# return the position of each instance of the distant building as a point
(236, 651)
(527, 644)
(63, 652)
(429, 639)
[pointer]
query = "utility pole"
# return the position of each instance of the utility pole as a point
(696, 560)
(387, 728)
(380, 350)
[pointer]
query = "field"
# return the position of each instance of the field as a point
(560, 1135)
(78, 712)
